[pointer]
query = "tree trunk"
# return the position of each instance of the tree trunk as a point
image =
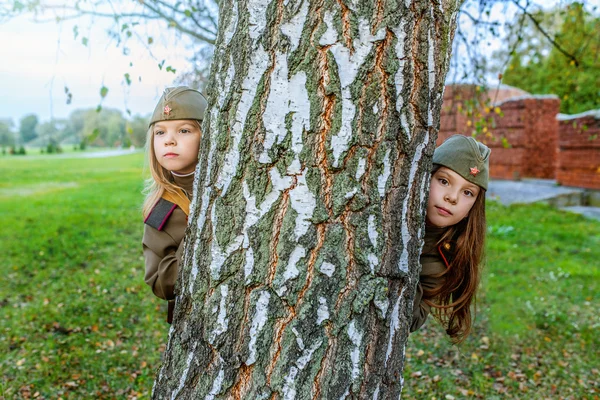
(302, 254)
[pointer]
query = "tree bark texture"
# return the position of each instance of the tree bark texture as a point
(302, 252)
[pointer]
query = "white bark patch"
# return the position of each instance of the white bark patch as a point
(226, 82)
(231, 26)
(300, 107)
(327, 269)
(285, 97)
(289, 385)
(205, 197)
(276, 108)
(382, 305)
(257, 18)
(431, 69)
(399, 77)
(258, 322)
(291, 271)
(376, 393)
(218, 255)
(185, 373)
(304, 203)
(383, 178)
(356, 338)
(346, 394)
(348, 66)
(403, 262)
(373, 235)
(360, 169)
(394, 325)
(216, 387)
(350, 194)
(375, 109)
(249, 264)
(258, 64)
(373, 262)
(293, 28)
(322, 311)
(222, 320)
(253, 213)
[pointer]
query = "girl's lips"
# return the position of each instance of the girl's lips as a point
(443, 211)
(170, 155)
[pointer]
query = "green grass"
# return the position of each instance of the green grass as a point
(77, 321)
(536, 334)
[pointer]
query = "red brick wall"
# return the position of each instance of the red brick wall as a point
(579, 152)
(527, 124)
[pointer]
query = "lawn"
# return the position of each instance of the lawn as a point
(77, 321)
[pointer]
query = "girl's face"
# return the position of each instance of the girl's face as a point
(176, 144)
(450, 198)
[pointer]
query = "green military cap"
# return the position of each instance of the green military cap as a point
(179, 102)
(465, 156)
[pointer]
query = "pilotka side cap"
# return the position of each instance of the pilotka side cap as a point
(465, 156)
(179, 102)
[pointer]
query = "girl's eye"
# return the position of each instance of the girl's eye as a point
(185, 131)
(469, 193)
(158, 133)
(443, 181)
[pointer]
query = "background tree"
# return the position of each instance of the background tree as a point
(305, 232)
(569, 69)
(27, 128)
(7, 136)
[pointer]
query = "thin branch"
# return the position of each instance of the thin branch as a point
(477, 21)
(545, 34)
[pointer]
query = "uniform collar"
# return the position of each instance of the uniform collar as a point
(186, 182)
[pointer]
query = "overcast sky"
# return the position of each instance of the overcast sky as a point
(40, 59)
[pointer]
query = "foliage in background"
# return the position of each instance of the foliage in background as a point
(100, 127)
(539, 67)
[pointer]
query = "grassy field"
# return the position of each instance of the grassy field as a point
(77, 321)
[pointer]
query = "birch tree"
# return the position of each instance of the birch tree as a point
(302, 252)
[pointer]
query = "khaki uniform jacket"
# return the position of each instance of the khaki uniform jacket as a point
(432, 263)
(163, 248)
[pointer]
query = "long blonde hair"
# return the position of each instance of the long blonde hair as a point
(160, 179)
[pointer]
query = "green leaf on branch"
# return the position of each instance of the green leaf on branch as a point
(128, 79)
(84, 41)
(103, 91)
(188, 13)
(150, 40)
(75, 32)
(171, 69)
(160, 65)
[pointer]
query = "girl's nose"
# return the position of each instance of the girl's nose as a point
(169, 140)
(450, 198)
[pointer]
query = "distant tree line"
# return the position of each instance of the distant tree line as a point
(105, 127)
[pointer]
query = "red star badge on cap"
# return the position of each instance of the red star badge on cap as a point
(167, 110)
(474, 171)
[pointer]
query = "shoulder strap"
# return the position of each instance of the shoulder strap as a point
(180, 199)
(165, 206)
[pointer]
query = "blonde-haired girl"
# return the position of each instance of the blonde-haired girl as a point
(172, 147)
(455, 230)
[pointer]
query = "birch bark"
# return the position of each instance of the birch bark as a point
(305, 231)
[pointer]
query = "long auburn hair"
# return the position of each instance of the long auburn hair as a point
(451, 302)
(160, 179)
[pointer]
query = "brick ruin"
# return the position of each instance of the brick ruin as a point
(527, 135)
